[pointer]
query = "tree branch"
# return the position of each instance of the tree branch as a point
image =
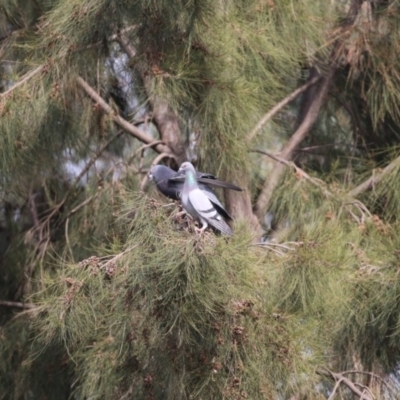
(310, 116)
(299, 172)
(339, 377)
(17, 304)
(308, 121)
(127, 126)
(280, 105)
(375, 178)
(163, 116)
(25, 78)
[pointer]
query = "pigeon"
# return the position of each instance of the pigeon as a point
(170, 183)
(197, 204)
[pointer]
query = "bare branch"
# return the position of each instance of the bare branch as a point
(95, 157)
(375, 178)
(125, 44)
(339, 377)
(280, 105)
(373, 375)
(144, 147)
(17, 304)
(127, 126)
(25, 78)
(81, 205)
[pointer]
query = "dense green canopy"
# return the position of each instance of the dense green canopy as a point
(107, 292)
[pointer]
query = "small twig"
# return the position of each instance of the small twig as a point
(300, 172)
(128, 393)
(35, 217)
(67, 239)
(25, 78)
(118, 256)
(144, 147)
(95, 157)
(17, 304)
(272, 246)
(83, 204)
(280, 105)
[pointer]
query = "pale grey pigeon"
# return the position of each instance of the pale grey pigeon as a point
(198, 205)
(170, 183)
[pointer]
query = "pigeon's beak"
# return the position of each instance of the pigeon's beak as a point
(150, 175)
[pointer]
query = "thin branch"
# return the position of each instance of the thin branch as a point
(118, 256)
(125, 44)
(34, 213)
(95, 157)
(339, 377)
(373, 375)
(25, 78)
(122, 31)
(127, 126)
(375, 178)
(83, 204)
(144, 147)
(17, 304)
(300, 172)
(280, 105)
(335, 388)
(286, 153)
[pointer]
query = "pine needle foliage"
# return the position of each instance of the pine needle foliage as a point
(129, 302)
(170, 316)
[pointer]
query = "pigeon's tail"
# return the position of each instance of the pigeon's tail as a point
(219, 224)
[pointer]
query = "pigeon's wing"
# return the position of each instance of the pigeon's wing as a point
(217, 183)
(207, 179)
(214, 200)
(207, 212)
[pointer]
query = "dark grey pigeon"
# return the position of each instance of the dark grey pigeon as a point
(196, 202)
(170, 184)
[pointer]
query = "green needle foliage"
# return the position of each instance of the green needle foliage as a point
(106, 291)
(170, 316)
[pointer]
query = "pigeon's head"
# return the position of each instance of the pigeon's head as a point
(152, 172)
(186, 166)
(160, 174)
